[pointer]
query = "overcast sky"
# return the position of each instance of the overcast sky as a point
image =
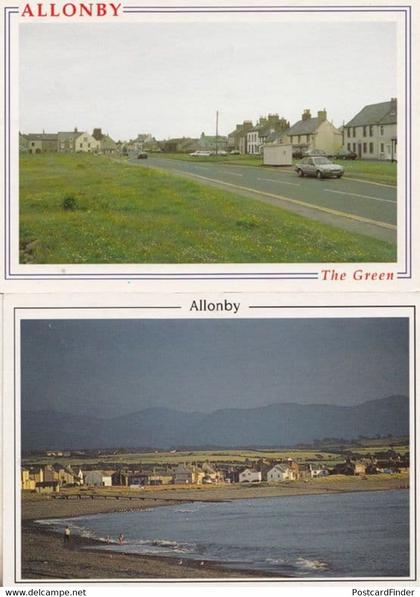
(170, 78)
(113, 367)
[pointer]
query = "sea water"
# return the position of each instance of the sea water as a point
(362, 534)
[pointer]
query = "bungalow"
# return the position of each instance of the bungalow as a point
(372, 133)
(250, 476)
(315, 133)
(280, 472)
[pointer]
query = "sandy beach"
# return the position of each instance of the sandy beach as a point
(44, 554)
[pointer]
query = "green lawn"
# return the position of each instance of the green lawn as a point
(122, 213)
(381, 172)
(241, 160)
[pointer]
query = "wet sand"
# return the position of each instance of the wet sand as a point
(44, 554)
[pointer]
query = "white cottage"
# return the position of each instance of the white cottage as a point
(280, 472)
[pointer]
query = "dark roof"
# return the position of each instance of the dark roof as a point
(304, 127)
(383, 113)
(70, 134)
(42, 136)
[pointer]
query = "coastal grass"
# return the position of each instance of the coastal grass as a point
(82, 208)
(241, 456)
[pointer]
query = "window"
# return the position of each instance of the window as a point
(371, 131)
(349, 146)
(354, 131)
(307, 138)
(364, 147)
(382, 131)
(370, 147)
(364, 131)
(349, 132)
(298, 138)
(354, 146)
(382, 148)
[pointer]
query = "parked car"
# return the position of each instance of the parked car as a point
(319, 166)
(297, 151)
(235, 152)
(345, 154)
(142, 155)
(310, 153)
(200, 154)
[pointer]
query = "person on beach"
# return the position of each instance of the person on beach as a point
(67, 535)
(121, 539)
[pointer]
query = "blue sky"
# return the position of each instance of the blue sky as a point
(112, 367)
(170, 78)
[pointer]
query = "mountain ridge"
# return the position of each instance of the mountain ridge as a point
(282, 423)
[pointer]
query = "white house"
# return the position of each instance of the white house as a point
(372, 133)
(98, 479)
(86, 143)
(280, 472)
(250, 476)
(318, 471)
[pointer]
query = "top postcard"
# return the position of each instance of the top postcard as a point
(238, 145)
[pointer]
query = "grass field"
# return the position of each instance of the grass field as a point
(374, 171)
(241, 456)
(81, 208)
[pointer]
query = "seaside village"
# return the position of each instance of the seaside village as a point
(50, 478)
(371, 134)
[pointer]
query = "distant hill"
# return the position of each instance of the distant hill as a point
(282, 424)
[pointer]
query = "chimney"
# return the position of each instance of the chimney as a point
(306, 114)
(393, 105)
(75, 129)
(97, 134)
(322, 115)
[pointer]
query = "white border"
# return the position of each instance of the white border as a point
(190, 276)
(133, 306)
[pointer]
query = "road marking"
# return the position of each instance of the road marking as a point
(377, 184)
(295, 184)
(327, 210)
(358, 195)
(233, 173)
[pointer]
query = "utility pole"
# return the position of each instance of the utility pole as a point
(217, 130)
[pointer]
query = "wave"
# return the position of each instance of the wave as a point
(311, 564)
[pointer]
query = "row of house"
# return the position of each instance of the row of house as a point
(52, 477)
(371, 134)
(67, 142)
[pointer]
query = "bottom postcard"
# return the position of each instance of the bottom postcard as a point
(211, 438)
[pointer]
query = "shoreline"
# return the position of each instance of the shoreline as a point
(82, 559)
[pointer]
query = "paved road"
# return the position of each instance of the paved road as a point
(347, 203)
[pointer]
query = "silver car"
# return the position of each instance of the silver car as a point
(319, 166)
